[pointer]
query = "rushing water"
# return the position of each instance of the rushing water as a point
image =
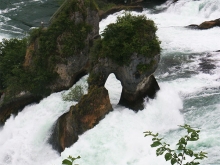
(189, 78)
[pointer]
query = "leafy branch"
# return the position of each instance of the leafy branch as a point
(69, 160)
(178, 156)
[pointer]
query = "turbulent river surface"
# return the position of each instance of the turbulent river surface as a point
(188, 75)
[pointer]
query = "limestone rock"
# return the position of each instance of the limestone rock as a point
(85, 115)
(72, 68)
(136, 84)
(135, 100)
(65, 132)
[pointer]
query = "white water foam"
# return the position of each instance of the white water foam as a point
(119, 138)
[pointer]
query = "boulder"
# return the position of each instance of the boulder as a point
(85, 115)
(205, 25)
(209, 24)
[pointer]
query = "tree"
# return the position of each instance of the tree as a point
(178, 156)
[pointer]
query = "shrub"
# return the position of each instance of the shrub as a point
(75, 94)
(178, 156)
(12, 54)
(130, 34)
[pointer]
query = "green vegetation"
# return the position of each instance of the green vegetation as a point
(14, 78)
(69, 35)
(12, 54)
(178, 156)
(103, 5)
(144, 67)
(46, 46)
(130, 34)
(69, 160)
(75, 93)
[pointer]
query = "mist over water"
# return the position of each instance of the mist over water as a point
(189, 79)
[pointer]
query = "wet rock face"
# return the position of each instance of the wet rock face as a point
(135, 100)
(72, 68)
(85, 115)
(65, 132)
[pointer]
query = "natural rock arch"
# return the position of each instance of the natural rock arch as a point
(113, 91)
(135, 85)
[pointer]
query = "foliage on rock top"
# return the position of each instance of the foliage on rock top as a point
(130, 34)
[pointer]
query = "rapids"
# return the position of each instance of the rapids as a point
(189, 78)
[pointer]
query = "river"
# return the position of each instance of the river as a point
(188, 75)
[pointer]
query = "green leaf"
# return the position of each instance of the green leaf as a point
(189, 152)
(66, 162)
(168, 156)
(155, 144)
(181, 147)
(180, 154)
(160, 151)
(173, 161)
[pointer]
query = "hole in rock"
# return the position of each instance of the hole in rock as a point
(114, 87)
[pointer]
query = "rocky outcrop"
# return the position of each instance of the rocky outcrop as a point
(210, 24)
(135, 100)
(135, 76)
(81, 117)
(135, 84)
(74, 67)
(205, 25)
(69, 68)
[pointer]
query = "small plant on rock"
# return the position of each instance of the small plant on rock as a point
(178, 156)
(75, 94)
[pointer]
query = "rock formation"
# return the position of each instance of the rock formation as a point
(72, 64)
(134, 72)
(135, 84)
(205, 25)
(63, 49)
(85, 115)
(59, 50)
